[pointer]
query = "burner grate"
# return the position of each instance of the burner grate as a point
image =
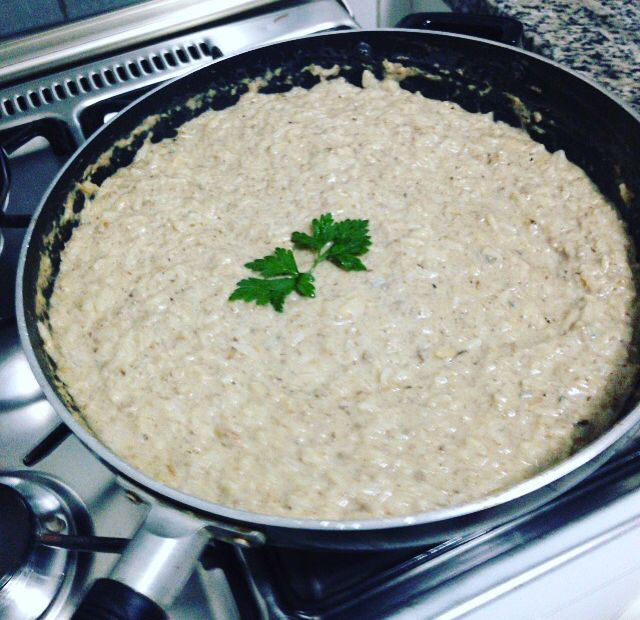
(154, 64)
(66, 93)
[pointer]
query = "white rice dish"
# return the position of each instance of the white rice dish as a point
(487, 340)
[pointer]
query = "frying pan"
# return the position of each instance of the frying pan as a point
(556, 107)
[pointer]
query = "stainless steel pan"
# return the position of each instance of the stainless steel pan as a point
(557, 107)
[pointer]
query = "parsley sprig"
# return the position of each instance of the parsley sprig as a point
(341, 243)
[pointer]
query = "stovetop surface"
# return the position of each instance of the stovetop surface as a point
(241, 583)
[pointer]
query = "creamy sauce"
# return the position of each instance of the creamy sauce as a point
(487, 339)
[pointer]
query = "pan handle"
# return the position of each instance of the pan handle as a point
(111, 600)
(152, 570)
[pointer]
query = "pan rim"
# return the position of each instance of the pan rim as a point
(577, 461)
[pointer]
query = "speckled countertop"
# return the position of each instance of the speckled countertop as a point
(600, 38)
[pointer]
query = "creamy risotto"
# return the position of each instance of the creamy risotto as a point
(486, 341)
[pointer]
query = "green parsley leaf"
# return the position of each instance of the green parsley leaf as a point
(305, 241)
(340, 243)
(323, 229)
(305, 286)
(281, 263)
(352, 236)
(351, 239)
(348, 262)
(263, 292)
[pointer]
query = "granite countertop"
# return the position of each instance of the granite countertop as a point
(600, 38)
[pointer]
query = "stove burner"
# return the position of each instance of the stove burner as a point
(17, 527)
(38, 581)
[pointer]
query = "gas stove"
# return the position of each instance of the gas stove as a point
(65, 518)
